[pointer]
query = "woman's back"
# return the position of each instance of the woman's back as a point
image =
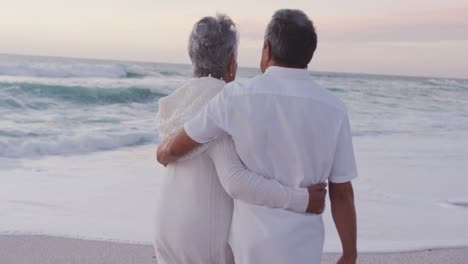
(193, 211)
(193, 214)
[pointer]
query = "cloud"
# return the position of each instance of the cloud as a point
(252, 29)
(435, 24)
(401, 33)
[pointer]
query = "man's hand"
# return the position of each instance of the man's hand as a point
(317, 194)
(163, 155)
(174, 147)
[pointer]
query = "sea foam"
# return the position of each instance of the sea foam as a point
(46, 70)
(27, 147)
(45, 100)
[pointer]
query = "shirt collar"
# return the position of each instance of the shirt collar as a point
(288, 73)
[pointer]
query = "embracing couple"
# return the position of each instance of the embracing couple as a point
(247, 162)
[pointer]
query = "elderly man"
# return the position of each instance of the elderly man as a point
(288, 128)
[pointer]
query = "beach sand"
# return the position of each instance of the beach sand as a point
(28, 249)
(111, 196)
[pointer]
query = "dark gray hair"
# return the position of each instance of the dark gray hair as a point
(212, 41)
(292, 38)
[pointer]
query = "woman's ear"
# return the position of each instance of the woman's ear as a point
(231, 69)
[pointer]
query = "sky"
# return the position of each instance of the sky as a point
(402, 37)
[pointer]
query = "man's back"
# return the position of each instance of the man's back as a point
(287, 128)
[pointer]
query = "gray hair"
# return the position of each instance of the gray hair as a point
(212, 41)
(292, 38)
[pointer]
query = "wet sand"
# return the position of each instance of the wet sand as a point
(52, 250)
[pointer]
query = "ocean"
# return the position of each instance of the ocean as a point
(77, 141)
(56, 106)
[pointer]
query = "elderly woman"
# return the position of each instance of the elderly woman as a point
(194, 210)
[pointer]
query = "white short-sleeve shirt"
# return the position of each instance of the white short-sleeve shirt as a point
(287, 127)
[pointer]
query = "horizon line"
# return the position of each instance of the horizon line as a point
(245, 67)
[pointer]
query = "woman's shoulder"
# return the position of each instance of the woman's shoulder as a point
(208, 84)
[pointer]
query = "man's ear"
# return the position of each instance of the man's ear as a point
(267, 50)
(265, 61)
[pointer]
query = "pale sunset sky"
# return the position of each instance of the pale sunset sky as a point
(404, 37)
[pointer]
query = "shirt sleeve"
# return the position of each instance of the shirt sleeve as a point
(249, 187)
(344, 164)
(210, 122)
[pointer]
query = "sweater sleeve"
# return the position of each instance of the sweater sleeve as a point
(249, 187)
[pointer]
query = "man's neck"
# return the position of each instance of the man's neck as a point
(285, 65)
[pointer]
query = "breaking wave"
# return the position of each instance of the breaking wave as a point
(35, 147)
(18, 94)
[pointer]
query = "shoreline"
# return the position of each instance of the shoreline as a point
(85, 239)
(22, 249)
(111, 196)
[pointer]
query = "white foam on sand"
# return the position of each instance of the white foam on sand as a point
(102, 196)
(406, 195)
